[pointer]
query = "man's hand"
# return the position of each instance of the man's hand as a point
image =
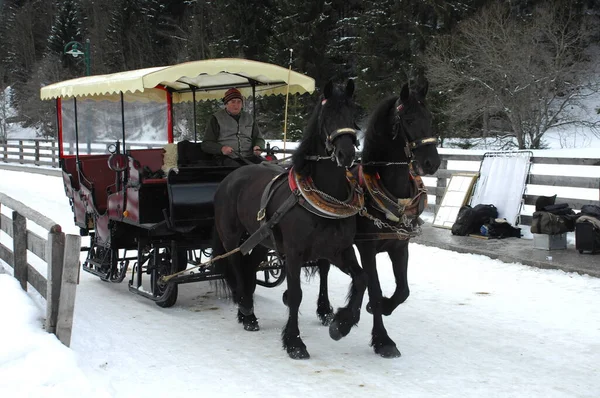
(226, 150)
(257, 150)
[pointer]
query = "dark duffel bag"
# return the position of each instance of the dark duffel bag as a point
(544, 222)
(470, 219)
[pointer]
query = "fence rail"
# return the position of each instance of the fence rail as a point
(59, 251)
(45, 152)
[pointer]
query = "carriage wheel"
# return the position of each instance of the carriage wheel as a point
(157, 271)
(166, 266)
(274, 273)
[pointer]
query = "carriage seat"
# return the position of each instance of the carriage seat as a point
(98, 178)
(190, 154)
(147, 164)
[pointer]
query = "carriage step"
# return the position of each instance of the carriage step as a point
(103, 275)
(97, 263)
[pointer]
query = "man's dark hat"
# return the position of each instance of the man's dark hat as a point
(231, 94)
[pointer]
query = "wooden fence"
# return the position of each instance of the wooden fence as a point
(540, 180)
(44, 152)
(37, 152)
(59, 251)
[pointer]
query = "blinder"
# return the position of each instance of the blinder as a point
(411, 144)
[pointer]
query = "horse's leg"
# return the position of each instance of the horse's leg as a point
(241, 298)
(324, 309)
(290, 335)
(399, 258)
(380, 341)
(249, 267)
(231, 233)
(349, 316)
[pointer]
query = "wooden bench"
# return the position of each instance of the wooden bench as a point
(96, 176)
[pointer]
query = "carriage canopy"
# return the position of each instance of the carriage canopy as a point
(208, 78)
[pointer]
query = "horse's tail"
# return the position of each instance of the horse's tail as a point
(314, 268)
(226, 286)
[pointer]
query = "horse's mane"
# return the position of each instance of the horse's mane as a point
(379, 128)
(310, 142)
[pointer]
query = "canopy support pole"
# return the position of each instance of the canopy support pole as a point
(123, 121)
(76, 134)
(194, 113)
(287, 95)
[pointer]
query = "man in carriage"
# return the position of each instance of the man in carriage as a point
(232, 134)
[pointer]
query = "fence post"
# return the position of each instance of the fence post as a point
(20, 248)
(54, 257)
(70, 275)
(21, 151)
(53, 153)
(37, 153)
(5, 150)
(440, 186)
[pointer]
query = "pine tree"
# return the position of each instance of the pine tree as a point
(66, 28)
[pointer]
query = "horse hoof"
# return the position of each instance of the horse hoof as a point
(298, 353)
(389, 351)
(334, 331)
(326, 319)
(251, 323)
(251, 327)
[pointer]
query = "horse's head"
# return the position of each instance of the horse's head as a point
(413, 125)
(337, 124)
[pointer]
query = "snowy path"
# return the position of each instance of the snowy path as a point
(473, 327)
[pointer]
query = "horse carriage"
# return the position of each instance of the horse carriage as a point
(138, 206)
(145, 202)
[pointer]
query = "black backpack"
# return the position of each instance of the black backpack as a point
(470, 219)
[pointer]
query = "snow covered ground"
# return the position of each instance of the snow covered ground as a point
(473, 327)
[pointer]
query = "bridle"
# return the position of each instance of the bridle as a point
(332, 136)
(329, 145)
(400, 125)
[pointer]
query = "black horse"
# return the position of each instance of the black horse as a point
(320, 168)
(398, 143)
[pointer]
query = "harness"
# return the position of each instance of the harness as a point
(395, 209)
(323, 205)
(304, 193)
(402, 212)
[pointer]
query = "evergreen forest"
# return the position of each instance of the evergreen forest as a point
(510, 69)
